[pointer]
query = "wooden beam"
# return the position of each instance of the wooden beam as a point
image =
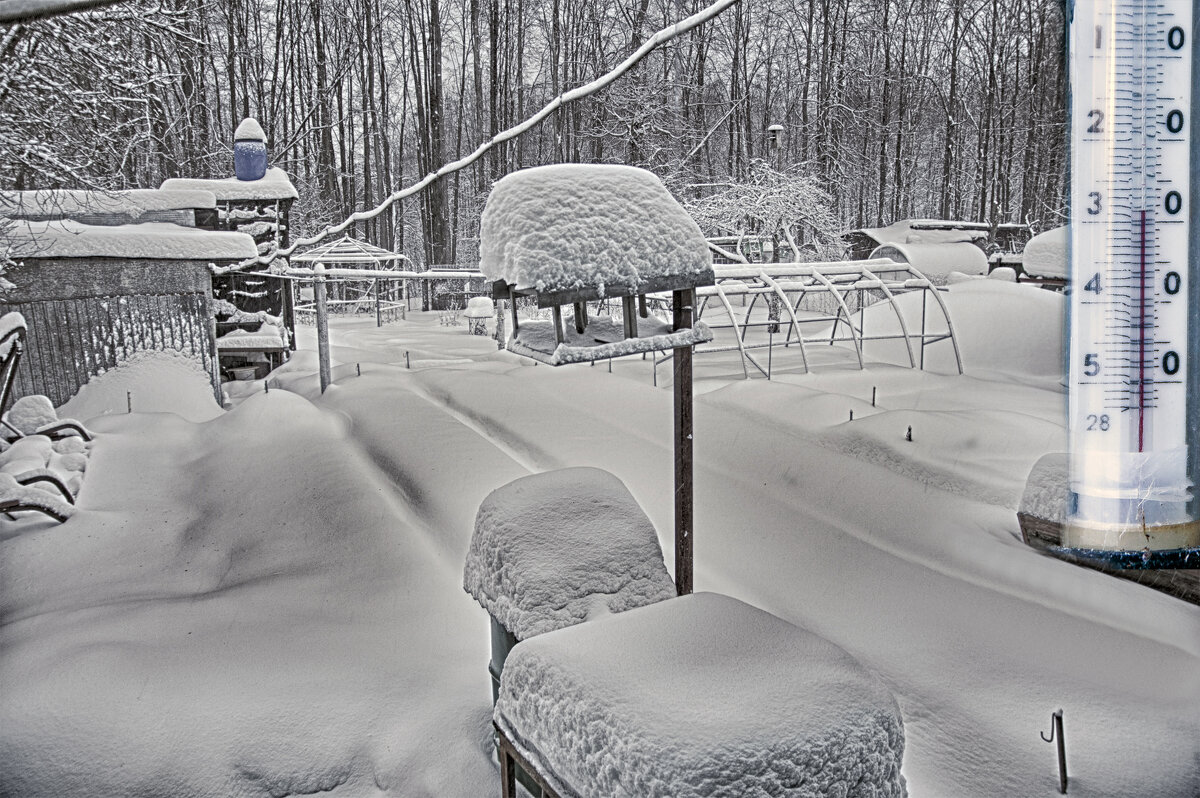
(683, 302)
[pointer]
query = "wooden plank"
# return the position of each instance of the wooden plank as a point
(1044, 535)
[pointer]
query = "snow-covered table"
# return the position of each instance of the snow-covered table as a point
(700, 695)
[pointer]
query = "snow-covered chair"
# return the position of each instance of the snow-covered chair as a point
(12, 344)
(35, 415)
(700, 695)
(17, 495)
(558, 548)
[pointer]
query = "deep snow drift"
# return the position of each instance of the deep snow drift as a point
(270, 601)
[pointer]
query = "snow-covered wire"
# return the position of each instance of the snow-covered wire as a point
(579, 92)
(29, 10)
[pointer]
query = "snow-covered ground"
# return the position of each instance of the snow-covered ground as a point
(268, 601)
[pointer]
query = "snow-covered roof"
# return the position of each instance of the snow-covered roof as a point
(555, 549)
(151, 240)
(274, 185)
(570, 226)
(700, 695)
(926, 231)
(249, 130)
(72, 203)
(1046, 254)
(347, 250)
(936, 260)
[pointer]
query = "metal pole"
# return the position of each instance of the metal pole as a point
(683, 301)
(322, 325)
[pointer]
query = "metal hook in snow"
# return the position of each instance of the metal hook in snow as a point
(1056, 731)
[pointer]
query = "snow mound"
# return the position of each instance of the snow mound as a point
(700, 696)
(1046, 254)
(1000, 326)
(249, 130)
(563, 227)
(150, 382)
(555, 549)
(480, 307)
(31, 412)
(1047, 491)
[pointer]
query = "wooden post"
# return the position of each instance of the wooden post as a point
(322, 325)
(378, 312)
(629, 312)
(683, 301)
(580, 317)
(500, 310)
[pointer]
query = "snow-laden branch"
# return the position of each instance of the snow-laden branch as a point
(578, 93)
(29, 10)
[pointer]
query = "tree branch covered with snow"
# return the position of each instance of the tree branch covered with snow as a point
(579, 92)
(29, 10)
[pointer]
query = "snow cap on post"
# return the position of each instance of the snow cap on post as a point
(568, 227)
(249, 130)
(555, 549)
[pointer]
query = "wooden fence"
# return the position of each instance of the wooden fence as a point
(79, 328)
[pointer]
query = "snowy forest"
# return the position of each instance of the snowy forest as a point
(890, 108)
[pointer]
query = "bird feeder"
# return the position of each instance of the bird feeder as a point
(775, 136)
(562, 236)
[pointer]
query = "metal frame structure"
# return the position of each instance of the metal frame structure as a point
(852, 286)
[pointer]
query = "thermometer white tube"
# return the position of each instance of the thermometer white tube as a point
(1132, 374)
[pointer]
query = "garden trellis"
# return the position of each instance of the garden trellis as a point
(842, 291)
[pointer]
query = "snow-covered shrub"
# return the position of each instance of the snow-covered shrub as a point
(787, 204)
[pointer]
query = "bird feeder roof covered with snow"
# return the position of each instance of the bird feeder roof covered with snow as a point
(569, 234)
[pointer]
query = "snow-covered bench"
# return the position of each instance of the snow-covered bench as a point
(701, 695)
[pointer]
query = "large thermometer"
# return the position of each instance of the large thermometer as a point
(1134, 380)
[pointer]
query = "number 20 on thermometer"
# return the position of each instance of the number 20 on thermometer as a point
(1133, 380)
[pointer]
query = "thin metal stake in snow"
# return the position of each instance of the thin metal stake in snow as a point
(872, 396)
(1056, 733)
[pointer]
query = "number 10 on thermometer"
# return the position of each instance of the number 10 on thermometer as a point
(1132, 373)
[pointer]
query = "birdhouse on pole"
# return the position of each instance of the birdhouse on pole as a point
(775, 136)
(567, 235)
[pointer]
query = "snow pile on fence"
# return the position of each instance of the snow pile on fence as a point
(700, 696)
(563, 227)
(555, 549)
(1046, 254)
